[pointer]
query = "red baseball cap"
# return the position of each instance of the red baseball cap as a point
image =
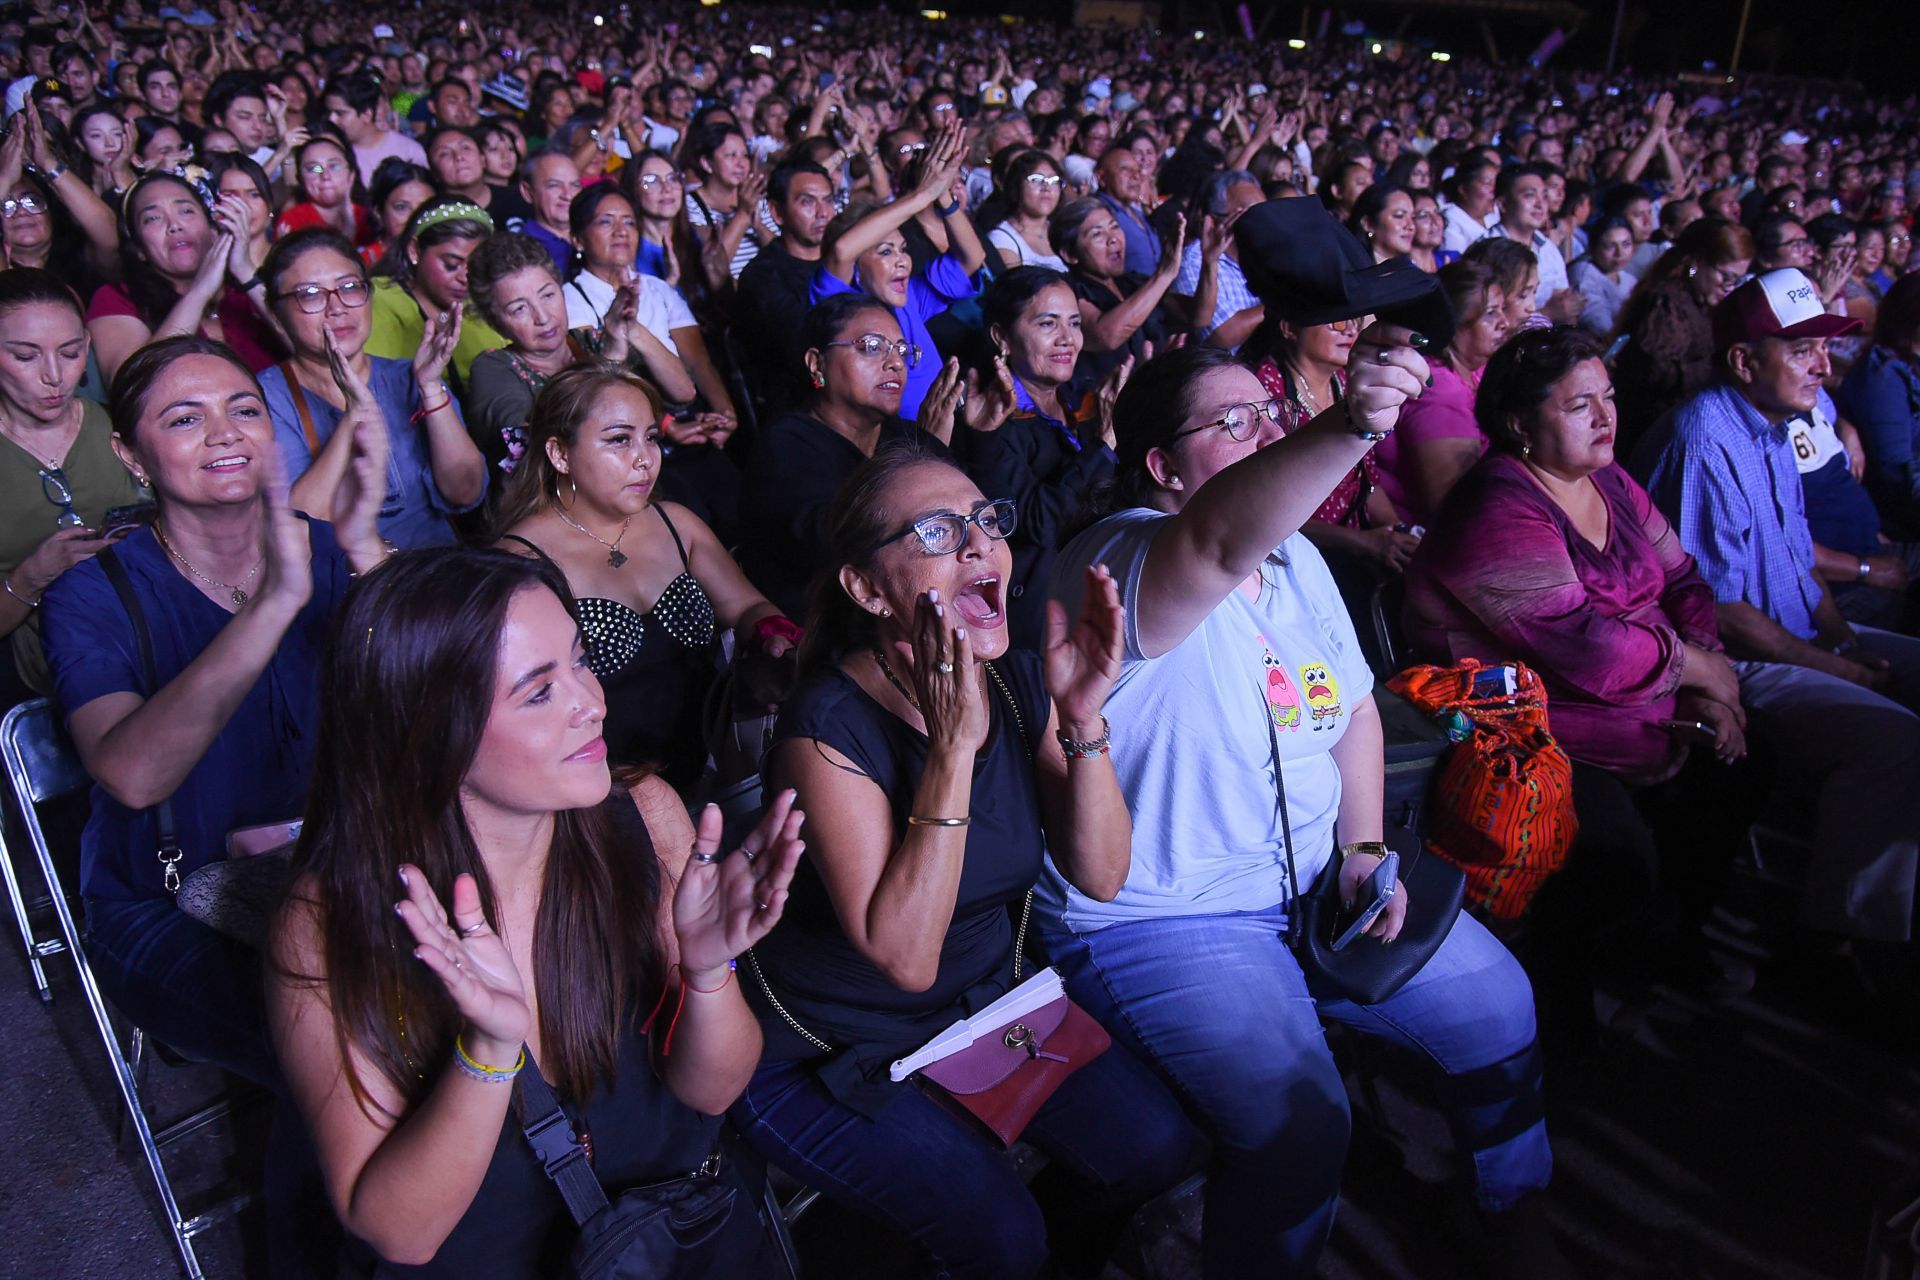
(1778, 304)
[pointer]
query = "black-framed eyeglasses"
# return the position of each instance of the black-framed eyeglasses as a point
(869, 345)
(312, 298)
(1240, 420)
(946, 533)
(54, 488)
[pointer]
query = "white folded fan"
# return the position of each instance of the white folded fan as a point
(1043, 988)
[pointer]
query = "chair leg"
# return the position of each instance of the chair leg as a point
(123, 1071)
(777, 1223)
(18, 902)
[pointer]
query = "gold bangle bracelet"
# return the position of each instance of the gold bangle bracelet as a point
(915, 820)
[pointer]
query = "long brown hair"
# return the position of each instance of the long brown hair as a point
(558, 413)
(405, 694)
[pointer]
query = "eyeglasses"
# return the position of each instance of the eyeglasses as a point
(870, 345)
(54, 488)
(1240, 420)
(910, 148)
(312, 298)
(21, 205)
(316, 169)
(1043, 180)
(1797, 245)
(654, 181)
(944, 534)
(1426, 215)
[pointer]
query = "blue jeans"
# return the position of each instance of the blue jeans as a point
(197, 991)
(935, 1177)
(1220, 1006)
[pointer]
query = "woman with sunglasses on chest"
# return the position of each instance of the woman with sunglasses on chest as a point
(654, 585)
(320, 293)
(857, 364)
(58, 475)
(939, 769)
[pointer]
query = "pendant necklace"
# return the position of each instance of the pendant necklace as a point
(615, 556)
(236, 593)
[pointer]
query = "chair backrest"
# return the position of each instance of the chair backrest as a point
(40, 757)
(1389, 597)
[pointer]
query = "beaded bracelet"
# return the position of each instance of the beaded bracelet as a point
(481, 1071)
(1075, 749)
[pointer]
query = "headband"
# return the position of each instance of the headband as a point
(463, 212)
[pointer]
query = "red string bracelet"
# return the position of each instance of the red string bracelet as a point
(673, 1023)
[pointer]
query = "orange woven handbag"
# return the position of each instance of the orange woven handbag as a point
(1503, 803)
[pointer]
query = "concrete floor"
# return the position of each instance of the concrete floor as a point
(1696, 1143)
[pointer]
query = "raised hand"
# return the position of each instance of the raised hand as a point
(1384, 371)
(355, 393)
(472, 962)
(1173, 247)
(945, 679)
(1216, 234)
(942, 400)
(363, 490)
(213, 270)
(1083, 660)
(989, 404)
(437, 340)
(286, 547)
(1107, 394)
(723, 905)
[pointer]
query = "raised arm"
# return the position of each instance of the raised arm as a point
(936, 175)
(1113, 328)
(1224, 532)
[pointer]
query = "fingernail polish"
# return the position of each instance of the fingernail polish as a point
(1429, 379)
(959, 633)
(939, 611)
(933, 595)
(403, 877)
(1420, 341)
(397, 911)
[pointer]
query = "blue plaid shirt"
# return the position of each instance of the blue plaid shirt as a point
(1726, 478)
(1232, 297)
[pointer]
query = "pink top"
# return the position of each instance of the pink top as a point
(1504, 575)
(241, 324)
(1444, 411)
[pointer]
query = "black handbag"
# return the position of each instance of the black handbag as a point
(1367, 971)
(708, 1225)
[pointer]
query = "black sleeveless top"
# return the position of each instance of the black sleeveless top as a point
(818, 974)
(655, 670)
(518, 1226)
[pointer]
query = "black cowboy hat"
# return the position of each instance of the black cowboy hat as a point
(1308, 269)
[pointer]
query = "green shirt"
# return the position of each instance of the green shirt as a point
(97, 480)
(399, 325)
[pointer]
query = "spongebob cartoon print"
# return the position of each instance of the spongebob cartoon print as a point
(1283, 701)
(1323, 695)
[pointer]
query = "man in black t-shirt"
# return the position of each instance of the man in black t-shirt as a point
(773, 289)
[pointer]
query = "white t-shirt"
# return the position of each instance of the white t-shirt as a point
(1190, 741)
(1462, 227)
(1005, 237)
(1814, 440)
(660, 307)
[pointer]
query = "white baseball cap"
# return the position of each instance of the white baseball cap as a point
(1778, 304)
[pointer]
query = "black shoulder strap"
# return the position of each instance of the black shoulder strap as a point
(169, 843)
(550, 1133)
(678, 545)
(1294, 903)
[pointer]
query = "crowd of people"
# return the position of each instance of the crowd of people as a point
(464, 428)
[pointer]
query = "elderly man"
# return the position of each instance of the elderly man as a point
(1122, 190)
(1222, 305)
(549, 180)
(1830, 700)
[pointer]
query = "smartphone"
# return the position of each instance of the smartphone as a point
(1376, 893)
(1493, 682)
(124, 520)
(1700, 727)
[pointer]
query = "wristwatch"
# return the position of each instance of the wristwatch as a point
(1373, 848)
(1865, 569)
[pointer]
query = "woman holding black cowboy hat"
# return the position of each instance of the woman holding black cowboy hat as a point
(1238, 654)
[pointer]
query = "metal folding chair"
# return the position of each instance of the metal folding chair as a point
(38, 949)
(42, 766)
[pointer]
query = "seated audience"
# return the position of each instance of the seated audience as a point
(1602, 276)
(1439, 438)
(1667, 353)
(1122, 316)
(1520, 191)
(533, 915)
(320, 294)
(1829, 700)
(1222, 304)
(857, 364)
(928, 757)
(1547, 553)
(653, 585)
(550, 182)
(1016, 216)
(1229, 617)
(426, 274)
(397, 190)
(329, 186)
(183, 274)
(1517, 273)
(771, 301)
(723, 197)
(1881, 396)
(357, 107)
(58, 473)
(235, 592)
(1383, 219)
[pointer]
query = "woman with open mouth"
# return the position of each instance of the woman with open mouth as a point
(935, 763)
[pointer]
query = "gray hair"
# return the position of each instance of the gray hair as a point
(1213, 196)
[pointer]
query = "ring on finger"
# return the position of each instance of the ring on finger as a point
(472, 929)
(704, 859)
(759, 906)
(748, 854)
(944, 668)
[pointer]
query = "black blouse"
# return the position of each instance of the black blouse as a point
(816, 972)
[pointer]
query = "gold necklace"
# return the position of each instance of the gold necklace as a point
(615, 556)
(237, 594)
(1305, 395)
(887, 670)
